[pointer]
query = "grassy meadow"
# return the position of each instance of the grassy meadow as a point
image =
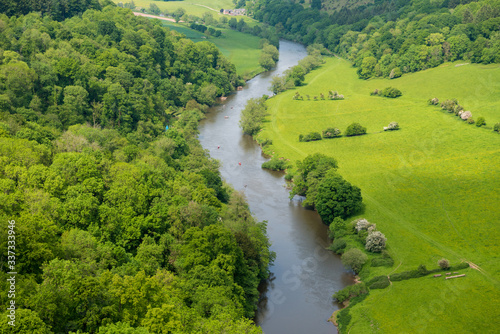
(241, 49)
(432, 187)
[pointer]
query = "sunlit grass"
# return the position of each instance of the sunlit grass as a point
(241, 49)
(432, 187)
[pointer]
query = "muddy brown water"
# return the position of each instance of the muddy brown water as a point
(297, 297)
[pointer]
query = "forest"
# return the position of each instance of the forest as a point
(390, 38)
(122, 221)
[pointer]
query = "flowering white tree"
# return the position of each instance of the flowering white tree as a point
(375, 241)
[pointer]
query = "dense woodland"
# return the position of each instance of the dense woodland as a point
(389, 38)
(121, 225)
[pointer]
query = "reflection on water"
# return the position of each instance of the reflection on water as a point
(297, 297)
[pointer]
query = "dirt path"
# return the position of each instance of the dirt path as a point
(156, 17)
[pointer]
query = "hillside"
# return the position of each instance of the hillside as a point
(431, 187)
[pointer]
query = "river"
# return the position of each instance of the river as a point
(297, 298)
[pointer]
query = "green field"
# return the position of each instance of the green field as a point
(197, 7)
(241, 49)
(433, 187)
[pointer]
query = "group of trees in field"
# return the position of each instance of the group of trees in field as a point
(122, 225)
(389, 38)
(204, 29)
(387, 92)
(354, 129)
(453, 107)
(325, 190)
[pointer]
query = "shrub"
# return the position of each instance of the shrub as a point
(275, 164)
(363, 225)
(355, 129)
(470, 120)
(311, 136)
(343, 318)
(354, 259)
(465, 115)
(496, 127)
(375, 92)
(395, 73)
(375, 242)
(382, 262)
(392, 126)
(404, 275)
(337, 226)
(391, 92)
(331, 133)
(463, 265)
(351, 291)
(449, 105)
(443, 263)
(422, 270)
(434, 101)
(338, 245)
(379, 282)
(480, 121)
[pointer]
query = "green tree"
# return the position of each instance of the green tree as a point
(355, 129)
(354, 259)
(366, 70)
(266, 61)
(337, 198)
(252, 116)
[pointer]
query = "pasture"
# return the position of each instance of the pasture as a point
(241, 49)
(431, 187)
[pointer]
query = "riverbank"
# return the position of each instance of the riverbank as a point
(429, 187)
(305, 274)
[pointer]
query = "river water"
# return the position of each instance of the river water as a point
(297, 298)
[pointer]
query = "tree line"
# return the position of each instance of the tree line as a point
(389, 38)
(122, 225)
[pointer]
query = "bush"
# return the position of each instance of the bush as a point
(331, 133)
(338, 245)
(433, 101)
(465, 115)
(354, 259)
(470, 120)
(312, 136)
(443, 263)
(337, 227)
(375, 92)
(405, 275)
(449, 105)
(392, 126)
(480, 121)
(275, 164)
(391, 92)
(496, 127)
(355, 129)
(351, 291)
(343, 318)
(375, 242)
(463, 265)
(382, 262)
(395, 73)
(363, 225)
(379, 282)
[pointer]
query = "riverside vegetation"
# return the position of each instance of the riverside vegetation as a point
(122, 225)
(427, 187)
